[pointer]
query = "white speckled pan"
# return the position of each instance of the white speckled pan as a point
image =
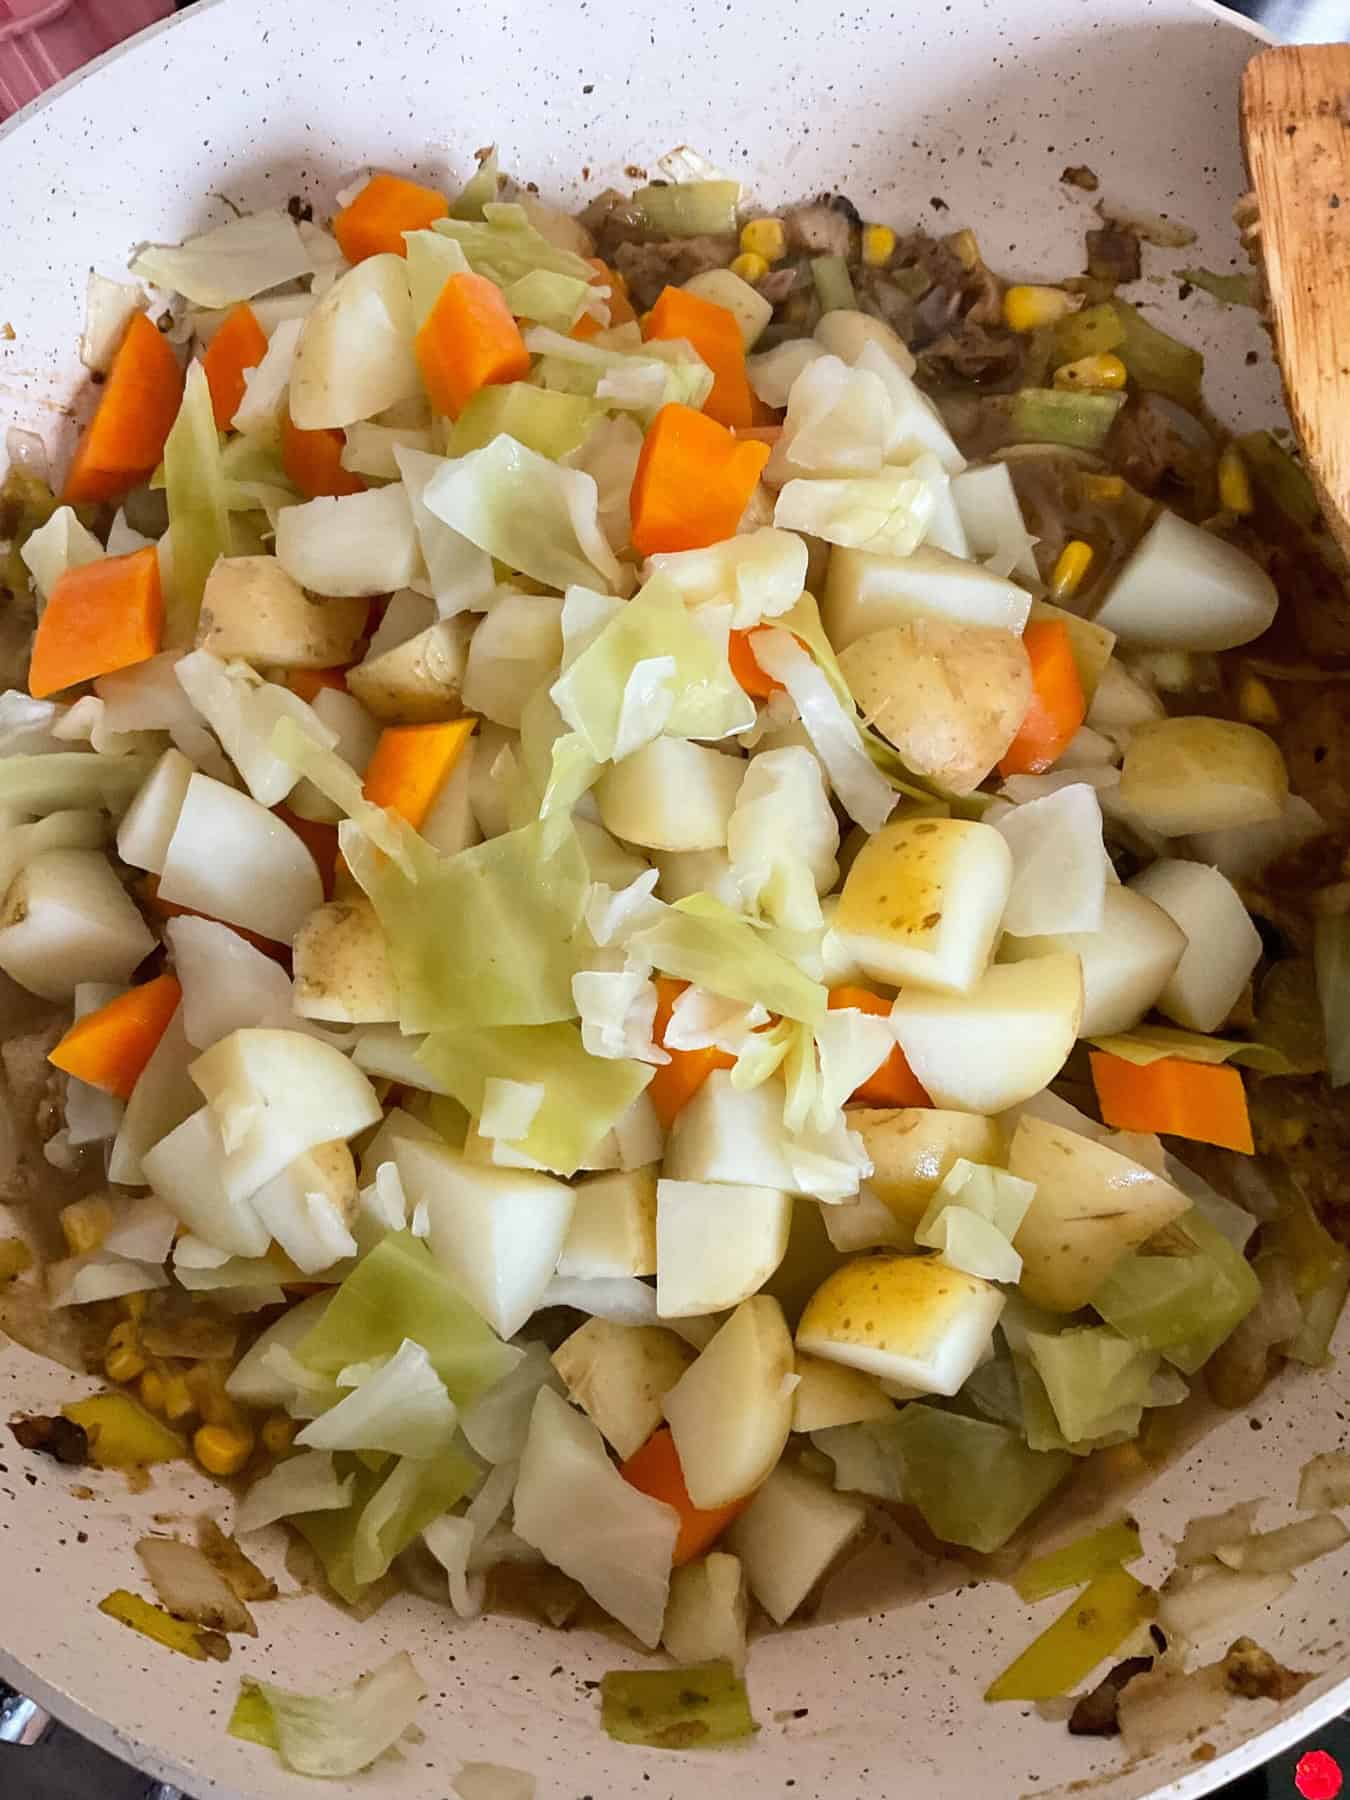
(970, 104)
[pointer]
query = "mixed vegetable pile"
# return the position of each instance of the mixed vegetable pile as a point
(683, 910)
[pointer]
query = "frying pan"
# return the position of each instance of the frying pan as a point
(944, 111)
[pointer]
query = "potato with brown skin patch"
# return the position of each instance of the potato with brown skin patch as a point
(253, 609)
(913, 1148)
(619, 1375)
(341, 960)
(949, 697)
(417, 682)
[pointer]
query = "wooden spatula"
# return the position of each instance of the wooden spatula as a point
(1296, 136)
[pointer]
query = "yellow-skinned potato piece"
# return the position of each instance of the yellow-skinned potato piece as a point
(949, 697)
(923, 903)
(907, 1319)
(831, 1394)
(1201, 774)
(671, 795)
(251, 608)
(731, 1413)
(913, 1148)
(342, 971)
(996, 1046)
(619, 1374)
(1091, 1206)
(418, 682)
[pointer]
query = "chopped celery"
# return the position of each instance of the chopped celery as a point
(175, 1634)
(398, 1292)
(1283, 479)
(252, 1718)
(676, 1709)
(1321, 1314)
(690, 208)
(973, 1482)
(1085, 1634)
(1091, 332)
(548, 422)
(1229, 290)
(834, 285)
(1153, 360)
(1181, 1305)
(1331, 961)
(194, 481)
(122, 1434)
(479, 190)
(1079, 1562)
(1056, 416)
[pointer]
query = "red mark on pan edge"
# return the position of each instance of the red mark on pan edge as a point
(1318, 1776)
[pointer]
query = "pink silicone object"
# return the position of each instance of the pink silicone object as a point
(43, 41)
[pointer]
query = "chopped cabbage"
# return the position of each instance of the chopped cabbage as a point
(72, 780)
(232, 262)
(832, 727)
(641, 381)
(61, 544)
(400, 1406)
(498, 1423)
(887, 513)
(337, 1735)
(432, 258)
(974, 1482)
(358, 544)
(227, 983)
(617, 1008)
(1183, 1305)
(609, 455)
(355, 357)
(973, 1218)
(411, 1495)
(506, 248)
(1097, 1381)
(838, 423)
(301, 1484)
(459, 574)
(702, 941)
(194, 483)
(108, 309)
(258, 414)
(243, 710)
(759, 573)
(782, 838)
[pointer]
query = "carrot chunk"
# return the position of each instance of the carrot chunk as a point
(1172, 1096)
(109, 1048)
(377, 218)
(102, 616)
(693, 482)
(238, 346)
(469, 341)
(1057, 705)
(123, 442)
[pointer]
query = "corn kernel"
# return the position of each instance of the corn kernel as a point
(122, 1359)
(1024, 308)
(206, 1384)
(1093, 373)
(134, 1305)
(152, 1391)
(1073, 564)
(178, 1401)
(85, 1223)
(1103, 487)
(750, 266)
(278, 1434)
(221, 1451)
(766, 238)
(1257, 704)
(878, 245)
(1235, 488)
(965, 247)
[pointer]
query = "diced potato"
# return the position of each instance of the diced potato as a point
(845, 332)
(267, 883)
(865, 1224)
(148, 823)
(342, 972)
(707, 1611)
(790, 1535)
(310, 1206)
(685, 872)
(613, 1229)
(731, 1413)
(419, 681)
(1091, 1205)
(866, 593)
(906, 1319)
(999, 1044)
(729, 1134)
(497, 1233)
(1202, 774)
(492, 778)
(716, 1244)
(923, 903)
(1126, 964)
(620, 1374)
(68, 919)
(671, 795)
(1184, 588)
(253, 609)
(746, 305)
(912, 1150)
(830, 1393)
(450, 825)
(513, 651)
(1222, 944)
(1122, 702)
(949, 697)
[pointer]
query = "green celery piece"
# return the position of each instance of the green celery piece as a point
(1091, 332)
(26, 504)
(834, 285)
(479, 190)
(690, 208)
(194, 480)
(1331, 963)
(676, 1709)
(252, 1718)
(1079, 1562)
(1085, 1634)
(974, 1482)
(397, 1292)
(68, 779)
(1321, 1272)
(584, 1095)
(1057, 416)
(1229, 290)
(1283, 479)
(542, 420)
(1156, 362)
(1183, 1306)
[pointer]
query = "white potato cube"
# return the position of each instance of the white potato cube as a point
(268, 882)
(906, 1319)
(913, 1149)
(1183, 588)
(66, 919)
(731, 1412)
(866, 593)
(685, 872)
(746, 305)
(513, 651)
(253, 609)
(716, 1244)
(186, 1170)
(619, 1375)
(341, 961)
(707, 1611)
(830, 1393)
(1222, 944)
(790, 1535)
(1126, 965)
(613, 1229)
(148, 823)
(671, 795)
(1201, 774)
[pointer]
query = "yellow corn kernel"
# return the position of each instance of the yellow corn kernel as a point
(965, 247)
(1103, 487)
(206, 1384)
(1096, 373)
(1073, 564)
(122, 1358)
(85, 1223)
(134, 1305)
(878, 245)
(750, 266)
(152, 1391)
(1024, 308)
(220, 1450)
(1235, 488)
(1257, 704)
(766, 238)
(178, 1401)
(278, 1434)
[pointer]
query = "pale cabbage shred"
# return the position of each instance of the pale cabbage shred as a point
(521, 968)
